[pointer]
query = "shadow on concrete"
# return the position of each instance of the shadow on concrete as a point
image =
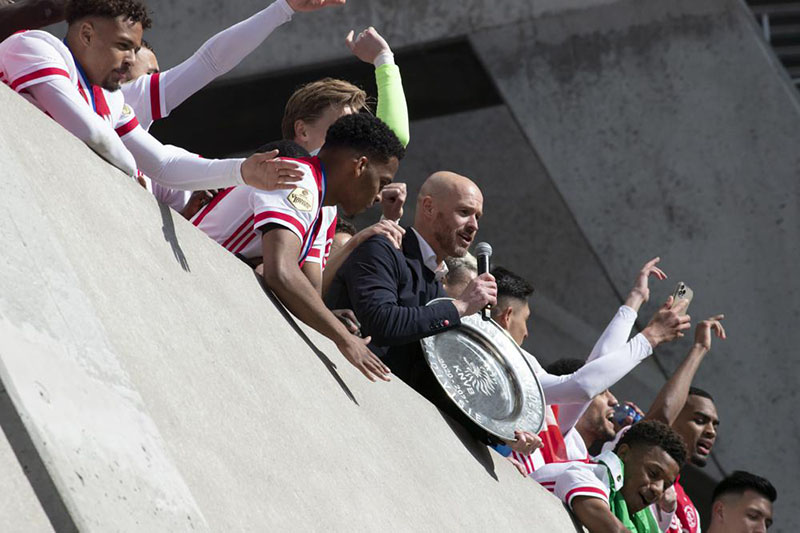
(168, 227)
(319, 353)
(33, 467)
(479, 450)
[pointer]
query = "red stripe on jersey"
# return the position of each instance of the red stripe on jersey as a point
(245, 243)
(217, 199)
(238, 230)
(315, 253)
(125, 129)
(585, 490)
(100, 104)
(39, 74)
(281, 216)
(155, 96)
(83, 93)
(243, 231)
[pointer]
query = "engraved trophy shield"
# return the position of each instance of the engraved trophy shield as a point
(487, 376)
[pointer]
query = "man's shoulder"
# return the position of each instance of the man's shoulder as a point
(36, 41)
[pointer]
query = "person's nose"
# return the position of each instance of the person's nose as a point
(612, 400)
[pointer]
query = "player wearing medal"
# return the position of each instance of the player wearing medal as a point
(77, 82)
(360, 157)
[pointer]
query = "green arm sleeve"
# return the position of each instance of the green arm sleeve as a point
(392, 107)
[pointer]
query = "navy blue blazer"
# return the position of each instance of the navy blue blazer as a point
(387, 289)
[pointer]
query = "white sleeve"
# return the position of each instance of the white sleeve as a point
(218, 55)
(178, 169)
(62, 101)
(616, 333)
(613, 338)
(295, 210)
(579, 480)
(595, 376)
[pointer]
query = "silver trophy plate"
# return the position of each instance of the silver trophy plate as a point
(487, 376)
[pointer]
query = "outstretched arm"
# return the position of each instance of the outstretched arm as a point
(179, 169)
(672, 396)
(225, 50)
(371, 48)
(598, 375)
(62, 101)
(615, 335)
(290, 285)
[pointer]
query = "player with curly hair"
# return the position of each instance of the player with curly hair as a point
(614, 492)
(360, 157)
(76, 82)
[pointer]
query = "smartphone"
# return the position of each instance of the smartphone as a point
(683, 292)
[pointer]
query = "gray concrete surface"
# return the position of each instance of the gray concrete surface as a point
(668, 128)
(163, 391)
(180, 27)
(20, 510)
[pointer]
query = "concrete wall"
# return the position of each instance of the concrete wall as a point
(668, 129)
(180, 27)
(163, 391)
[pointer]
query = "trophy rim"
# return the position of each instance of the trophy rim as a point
(527, 379)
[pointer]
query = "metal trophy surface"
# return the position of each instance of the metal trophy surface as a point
(486, 375)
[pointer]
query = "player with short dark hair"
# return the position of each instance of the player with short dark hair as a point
(76, 82)
(742, 503)
(361, 156)
(612, 493)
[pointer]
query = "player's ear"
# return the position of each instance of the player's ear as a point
(361, 165)
(86, 33)
(300, 131)
(718, 511)
(504, 318)
(622, 451)
(427, 206)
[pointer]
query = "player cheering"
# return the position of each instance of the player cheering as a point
(76, 82)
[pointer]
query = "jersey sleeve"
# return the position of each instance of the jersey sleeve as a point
(145, 95)
(580, 480)
(295, 210)
(29, 61)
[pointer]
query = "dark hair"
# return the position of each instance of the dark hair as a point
(345, 226)
(658, 434)
(367, 134)
(511, 285)
(697, 391)
(133, 10)
(564, 367)
(740, 481)
(285, 149)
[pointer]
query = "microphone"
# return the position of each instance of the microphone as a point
(483, 251)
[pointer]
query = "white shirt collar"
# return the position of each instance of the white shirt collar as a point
(429, 257)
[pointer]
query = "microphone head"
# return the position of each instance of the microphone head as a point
(483, 248)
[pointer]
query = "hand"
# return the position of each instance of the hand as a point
(196, 202)
(668, 323)
(393, 197)
(628, 419)
(368, 45)
(640, 293)
(702, 334)
(348, 318)
(480, 292)
(525, 443)
(355, 350)
(299, 6)
(266, 172)
(669, 501)
(388, 228)
(519, 466)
